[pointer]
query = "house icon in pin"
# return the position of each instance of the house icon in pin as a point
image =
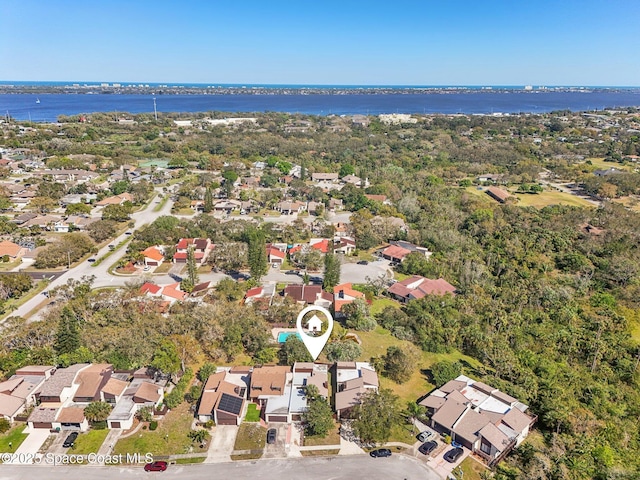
(314, 324)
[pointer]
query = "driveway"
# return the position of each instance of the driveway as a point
(278, 449)
(441, 466)
(354, 273)
(223, 438)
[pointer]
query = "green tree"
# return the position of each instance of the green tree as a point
(331, 271)
(375, 416)
(293, 350)
(444, 371)
(208, 200)
(68, 335)
(192, 268)
(346, 169)
(166, 358)
(398, 365)
(206, 370)
(5, 425)
(117, 213)
(318, 419)
(345, 351)
(78, 209)
(97, 411)
(257, 254)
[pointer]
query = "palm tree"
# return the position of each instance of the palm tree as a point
(97, 411)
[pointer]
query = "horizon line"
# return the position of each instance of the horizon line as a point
(320, 85)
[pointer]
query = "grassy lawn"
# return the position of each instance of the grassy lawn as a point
(320, 453)
(400, 276)
(6, 266)
(204, 269)
(550, 197)
(162, 203)
(163, 267)
(89, 442)
(184, 461)
(332, 438)
(170, 438)
(472, 469)
(479, 193)
(13, 436)
(600, 164)
(253, 414)
(376, 342)
(403, 433)
(251, 436)
(631, 203)
(379, 304)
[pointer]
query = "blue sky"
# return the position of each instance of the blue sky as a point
(393, 42)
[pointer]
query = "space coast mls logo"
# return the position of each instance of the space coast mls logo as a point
(314, 327)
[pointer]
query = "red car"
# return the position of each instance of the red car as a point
(155, 467)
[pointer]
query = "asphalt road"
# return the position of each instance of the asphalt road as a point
(334, 468)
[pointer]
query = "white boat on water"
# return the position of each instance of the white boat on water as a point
(37, 100)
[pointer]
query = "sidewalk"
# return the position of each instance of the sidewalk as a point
(110, 441)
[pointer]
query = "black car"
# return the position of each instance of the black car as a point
(271, 435)
(427, 447)
(315, 279)
(70, 440)
(381, 452)
(363, 262)
(454, 454)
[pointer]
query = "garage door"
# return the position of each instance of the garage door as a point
(152, 264)
(277, 418)
(42, 425)
(227, 421)
(115, 424)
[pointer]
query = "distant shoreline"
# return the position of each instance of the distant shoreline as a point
(194, 89)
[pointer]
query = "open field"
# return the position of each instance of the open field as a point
(376, 342)
(548, 197)
(600, 164)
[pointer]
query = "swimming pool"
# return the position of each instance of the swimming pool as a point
(282, 336)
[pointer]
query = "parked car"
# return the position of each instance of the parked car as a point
(271, 435)
(428, 447)
(128, 233)
(380, 452)
(70, 440)
(315, 279)
(112, 247)
(426, 436)
(363, 262)
(147, 268)
(91, 260)
(155, 467)
(453, 455)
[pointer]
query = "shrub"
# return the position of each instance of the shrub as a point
(5, 425)
(209, 424)
(153, 425)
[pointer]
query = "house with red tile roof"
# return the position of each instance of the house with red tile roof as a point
(153, 256)
(275, 256)
(417, 287)
(395, 253)
(12, 250)
(263, 294)
(201, 249)
(170, 292)
(344, 294)
(323, 245)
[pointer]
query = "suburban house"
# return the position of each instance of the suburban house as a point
(489, 177)
(226, 206)
(344, 294)
(309, 295)
(498, 194)
(152, 256)
(201, 249)
(90, 382)
(268, 385)
(263, 294)
(354, 180)
(142, 391)
(335, 204)
(378, 198)
(169, 293)
(398, 250)
(417, 287)
(12, 250)
(324, 177)
(289, 207)
(223, 397)
(344, 245)
(115, 200)
(481, 418)
(19, 391)
(275, 256)
(352, 380)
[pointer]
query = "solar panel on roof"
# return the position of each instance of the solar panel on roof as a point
(231, 404)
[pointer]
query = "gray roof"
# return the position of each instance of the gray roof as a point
(61, 379)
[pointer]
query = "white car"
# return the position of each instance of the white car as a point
(147, 268)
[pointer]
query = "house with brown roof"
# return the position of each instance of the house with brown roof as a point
(344, 245)
(416, 287)
(12, 250)
(309, 295)
(498, 194)
(481, 418)
(395, 253)
(90, 382)
(352, 380)
(115, 200)
(223, 398)
(289, 207)
(19, 391)
(268, 381)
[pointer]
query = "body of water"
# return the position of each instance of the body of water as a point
(47, 107)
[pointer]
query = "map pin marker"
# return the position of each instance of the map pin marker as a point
(315, 344)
